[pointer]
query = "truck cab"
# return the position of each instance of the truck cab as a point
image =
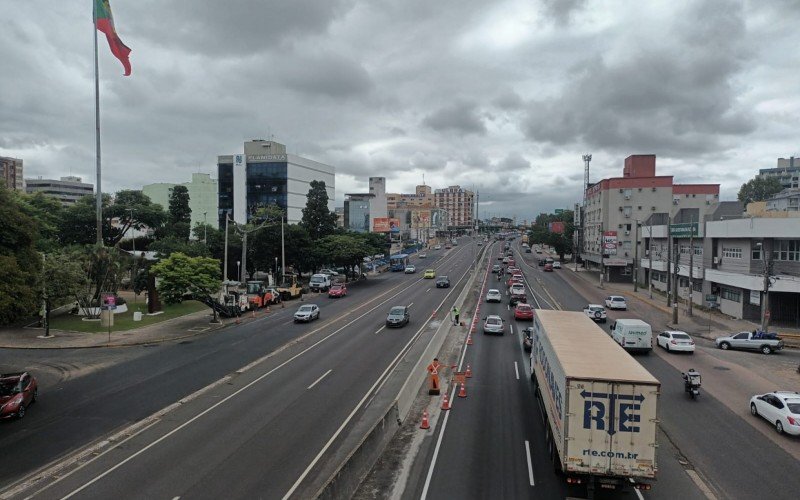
(319, 283)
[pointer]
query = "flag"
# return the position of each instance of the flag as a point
(105, 23)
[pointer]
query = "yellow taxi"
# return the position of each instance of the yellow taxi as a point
(429, 274)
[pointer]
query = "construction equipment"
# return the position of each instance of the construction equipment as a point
(290, 288)
(259, 295)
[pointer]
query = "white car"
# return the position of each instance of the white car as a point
(616, 302)
(494, 295)
(596, 312)
(493, 324)
(779, 408)
(675, 340)
(306, 313)
(423, 255)
(410, 270)
(556, 264)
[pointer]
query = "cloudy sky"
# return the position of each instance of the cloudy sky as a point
(503, 97)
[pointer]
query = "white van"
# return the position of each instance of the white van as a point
(632, 334)
(319, 283)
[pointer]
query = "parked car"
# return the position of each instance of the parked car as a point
(494, 295)
(548, 268)
(596, 312)
(493, 324)
(429, 274)
(675, 341)
(306, 313)
(556, 265)
(523, 311)
(410, 270)
(779, 408)
(767, 343)
(17, 392)
(398, 316)
(616, 302)
(337, 290)
(442, 282)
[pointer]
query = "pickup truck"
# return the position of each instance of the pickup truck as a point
(767, 343)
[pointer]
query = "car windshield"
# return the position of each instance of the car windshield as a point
(493, 321)
(396, 311)
(306, 308)
(7, 387)
(317, 279)
(523, 307)
(336, 287)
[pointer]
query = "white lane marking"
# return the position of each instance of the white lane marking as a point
(411, 304)
(530, 464)
(428, 290)
(380, 329)
(319, 379)
(177, 498)
(516, 369)
(638, 493)
(512, 329)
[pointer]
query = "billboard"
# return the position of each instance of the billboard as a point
(609, 243)
(556, 227)
(380, 225)
(394, 225)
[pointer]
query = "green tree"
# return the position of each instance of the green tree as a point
(48, 212)
(63, 278)
(317, 219)
(180, 215)
(759, 189)
(180, 275)
(20, 264)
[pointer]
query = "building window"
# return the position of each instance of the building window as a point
(732, 253)
(730, 294)
(662, 277)
(684, 249)
(697, 286)
(626, 211)
(698, 250)
(786, 250)
(756, 252)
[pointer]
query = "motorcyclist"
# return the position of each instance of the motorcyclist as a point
(691, 379)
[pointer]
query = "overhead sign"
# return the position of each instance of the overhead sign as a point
(609, 242)
(684, 230)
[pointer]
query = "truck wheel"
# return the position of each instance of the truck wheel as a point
(765, 349)
(724, 346)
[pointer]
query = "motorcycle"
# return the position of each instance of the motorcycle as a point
(691, 382)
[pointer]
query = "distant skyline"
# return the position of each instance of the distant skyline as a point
(498, 97)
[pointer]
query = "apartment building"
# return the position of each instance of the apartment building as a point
(459, 204)
(11, 173)
(787, 172)
(616, 207)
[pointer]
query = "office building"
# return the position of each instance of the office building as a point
(787, 200)
(265, 174)
(787, 172)
(422, 197)
(459, 204)
(67, 190)
(202, 197)
(11, 173)
(357, 215)
(616, 206)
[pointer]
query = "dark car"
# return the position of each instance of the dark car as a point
(542, 262)
(527, 250)
(398, 316)
(442, 282)
(17, 392)
(527, 341)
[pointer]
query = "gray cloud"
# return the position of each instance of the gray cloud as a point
(327, 74)
(457, 117)
(513, 162)
(562, 10)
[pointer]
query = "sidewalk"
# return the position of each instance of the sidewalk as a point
(178, 328)
(708, 325)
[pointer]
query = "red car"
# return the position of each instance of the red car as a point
(515, 278)
(548, 268)
(17, 392)
(512, 262)
(337, 290)
(523, 311)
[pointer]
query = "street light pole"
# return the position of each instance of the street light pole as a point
(133, 266)
(676, 255)
(225, 263)
(636, 256)
(650, 258)
(205, 229)
(691, 266)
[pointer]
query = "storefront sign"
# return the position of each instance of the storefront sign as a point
(609, 243)
(684, 230)
(755, 297)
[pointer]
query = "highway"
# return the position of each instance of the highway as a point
(491, 444)
(264, 427)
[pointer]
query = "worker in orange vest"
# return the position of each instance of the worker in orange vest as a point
(433, 370)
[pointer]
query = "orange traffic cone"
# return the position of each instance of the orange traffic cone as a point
(445, 402)
(468, 373)
(469, 339)
(462, 393)
(425, 424)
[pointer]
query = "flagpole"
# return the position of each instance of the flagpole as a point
(99, 201)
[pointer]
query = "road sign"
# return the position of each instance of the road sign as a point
(559, 211)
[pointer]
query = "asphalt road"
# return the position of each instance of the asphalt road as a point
(263, 433)
(492, 436)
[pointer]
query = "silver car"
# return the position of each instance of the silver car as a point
(493, 324)
(306, 313)
(494, 295)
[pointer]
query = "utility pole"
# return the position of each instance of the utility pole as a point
(133, 266)
(244, 257)
(602, 254)
(765, 313)
(669, 258)
(225, 263)
(676, 256)
(650, 257)
(283, 249)
(635, 255)
(691, 266)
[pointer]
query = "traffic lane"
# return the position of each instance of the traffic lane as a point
(484, 442)
(338, 349)
(68, 416)
(737, 461)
